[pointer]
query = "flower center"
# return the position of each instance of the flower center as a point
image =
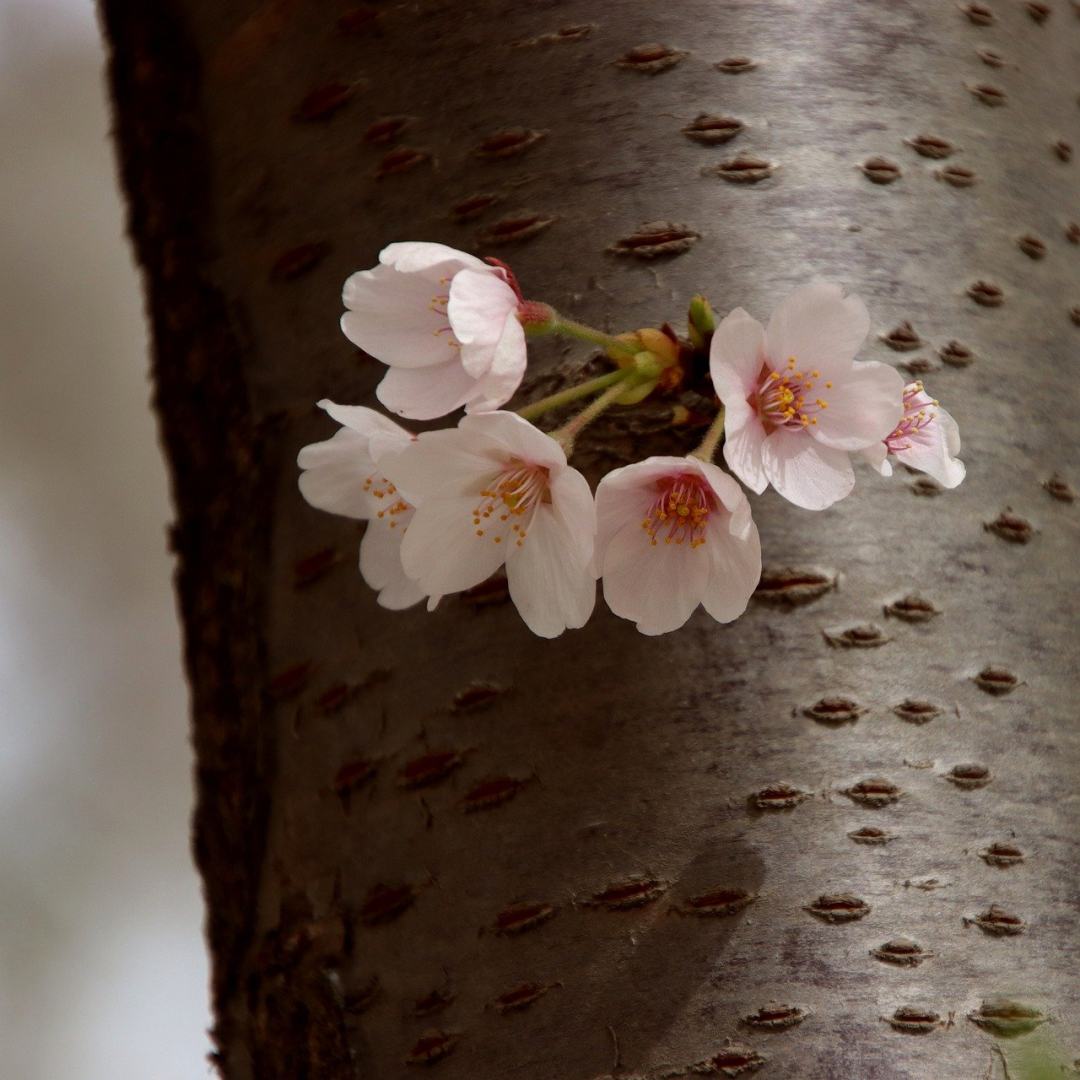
(680, 511)
(785, 397)
(508, 502)
(920, 411)
(391, 504)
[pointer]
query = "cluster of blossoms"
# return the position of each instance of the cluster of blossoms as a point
(446, 509)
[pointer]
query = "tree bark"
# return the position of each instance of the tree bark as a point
(630, 860)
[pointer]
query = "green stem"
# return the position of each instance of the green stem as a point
(574, 427)
(569, 328)
(575, 393)
(707, 450)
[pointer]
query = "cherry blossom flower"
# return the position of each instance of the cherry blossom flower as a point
(926, 439)
(675, 532)
(497, 490)
(445, 324)
(342, 475)
(796, 400)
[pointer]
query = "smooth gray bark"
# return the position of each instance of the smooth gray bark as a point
(257, 183)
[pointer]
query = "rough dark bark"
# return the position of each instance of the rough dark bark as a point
(256, 183)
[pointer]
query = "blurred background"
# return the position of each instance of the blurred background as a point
(102, 966)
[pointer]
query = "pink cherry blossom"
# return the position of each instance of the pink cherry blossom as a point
(445, 324)
(926, 439)
(675, 532)
(796, 400)
(342, 475)
(497, 490)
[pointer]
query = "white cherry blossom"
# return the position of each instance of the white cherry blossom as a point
(445, 324)
(796, 400)
(342, 475)
(497, 490)
(673, 533)
(926, 439)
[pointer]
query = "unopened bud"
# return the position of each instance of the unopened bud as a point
(702, 321)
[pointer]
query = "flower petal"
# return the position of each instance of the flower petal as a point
(480, 300)
(550, 584)
(504, 371)
(397, 318)
(363, 420)
(520, 438)
(736, 504)
(933, 451)
(380, 565)
(864, 405)
(805, 472)
(334, 472)
(878, 456)
(735, 569)
(441, 551)
(425, 393)
(419, 257)
(736, 355)
(658, 586)
(443, 464)
(742, 452)
(818, 325)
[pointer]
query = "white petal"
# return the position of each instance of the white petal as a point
(480, 300)
(443, 464)
(731, 495)
(397, 318)
(658, 586)
(805, 472)
(505, 368)
(520, 438)
(864, 405)
(441, 551)
(819, 326)
(335, 472)
(734, 575)
(736, 355)
(550, 584)
(932, 451)
(420, 257)
(742, 452)
(363, 420)
(380, 565)
(425, 393)
(624, 495)
(878, 456)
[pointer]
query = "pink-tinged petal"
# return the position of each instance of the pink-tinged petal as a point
(480, 300)
(878, 457)
(933, 451)
(552, 589)
(426, 393)
(380, 565)
(441, 551)
(517, 436)
(656, 587)
(742, 452)
(573, 507)
(443, 464)
(366, 421)
(731, 495)
(420, 257)
(624, 495)
(505, 369)
(397, 318)
(818, 325)
(805, 472)
(863, 407)
(735, 569)
(736, 356)
(335, 472)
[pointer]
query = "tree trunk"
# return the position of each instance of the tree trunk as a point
(631, 859)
